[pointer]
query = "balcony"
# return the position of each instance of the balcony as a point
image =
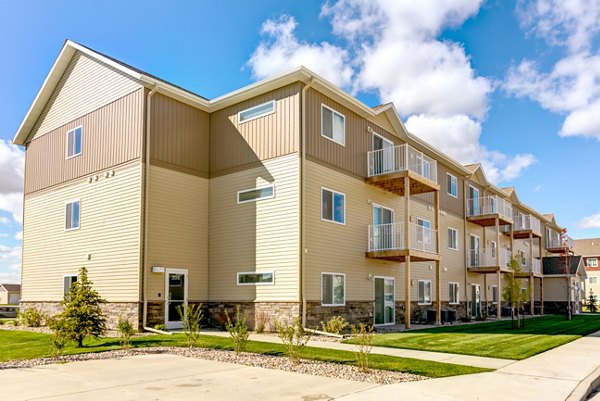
(485, 209)
(528, 269)
(554, 243)
(388, 167)
(388, 242)
(526, 225)
(489, 260)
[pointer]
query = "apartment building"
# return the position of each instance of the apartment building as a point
(589, 249)
(288, 197)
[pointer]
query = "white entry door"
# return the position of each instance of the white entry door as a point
(176, 285)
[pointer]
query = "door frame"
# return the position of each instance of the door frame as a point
(393, 302)
(185, 273)
(474, 285)
(471, 236)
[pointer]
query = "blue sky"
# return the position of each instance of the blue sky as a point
(512, 84)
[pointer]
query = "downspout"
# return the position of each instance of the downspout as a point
(303, 203)
(146, 202)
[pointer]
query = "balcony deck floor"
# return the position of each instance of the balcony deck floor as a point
(400, 255)
(488, 220)
(394, 182)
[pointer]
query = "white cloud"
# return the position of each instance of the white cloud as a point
(13, 277)
(19, 236)
(4, 220)
(592, 221)
(537, 188)
(12, 168)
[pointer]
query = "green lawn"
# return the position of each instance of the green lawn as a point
(495, 339)
(25, 345)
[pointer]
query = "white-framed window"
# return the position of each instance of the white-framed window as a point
(72, 215)
(451, 185)
(74, 142)
(68, 281)
(452, 239)
(254, 278)
(333, 125)
(494, 248)
(494, 294)
(333, 206)
(424, 234)
(453, 293)
(593, 279)
(424, 292)
(256, 112)
(592, 262)
(523, 260)
(333, 289)
(254, 194)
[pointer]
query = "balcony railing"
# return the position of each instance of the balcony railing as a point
(554, 241)
(485, 205)
(527, 222)
(489, 257)
(401, 158)
(527, 267)
(389, 237)
(537, 266)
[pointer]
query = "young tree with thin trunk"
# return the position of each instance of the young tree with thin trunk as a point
(513, 293)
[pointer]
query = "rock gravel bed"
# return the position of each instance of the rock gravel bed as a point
(315, 368)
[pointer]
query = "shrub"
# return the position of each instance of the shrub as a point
(294, 337)
(126, 330)
(364, 341)
(60, 336)
(335, 325)
(160, 327)
(32, 317)
(191, 315)
(239, 330)
(592, 302)
(261, 322)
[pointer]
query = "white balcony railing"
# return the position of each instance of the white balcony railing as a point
(526, 266)
(489, 205)
(401, 158)
(527, 222)
(554, 240)
(489, 257)
(537, 266)
(388, 237)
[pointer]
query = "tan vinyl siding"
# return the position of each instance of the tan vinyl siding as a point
(233, 144)
(555, 289)
(448, 202)
(179, 136)
(259, 236)
(452, 260)
(178, 230)
(110, 135)
(86, 85)
(109, 232)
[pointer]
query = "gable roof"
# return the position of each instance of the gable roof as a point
(587, 246)
(476, 170)
(555, 265)
(12, 287)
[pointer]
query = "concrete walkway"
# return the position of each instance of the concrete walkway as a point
(478, 361)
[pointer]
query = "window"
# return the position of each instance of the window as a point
(494, 294)
(333, 206)
(251, 195)
(592, 262)
(333, 292)
(593, 280)
(73, 210)
(493, 247)
(522, 257)
(256, 112)
(67, 283)
(424, 292)
(451, 185)
(74, 142)
(452, 238)
(252, 278)
(424, 231)
(333, 125)
(453, 297)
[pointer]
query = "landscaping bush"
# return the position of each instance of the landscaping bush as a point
(294, 337)
(126, 331)
(32, 317)
(160, 327)
(239, 330)
(364, 339)
(335, 325)
(60, 335)
(591, 303)
(191, 315)
(261, 322)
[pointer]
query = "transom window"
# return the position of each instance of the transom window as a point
(256, 112)
(333, 206)
(453, 293)
(451, 185)
(254, 194)
(452, 238)
(424, 292)
(592, 262)
(74, 142)
(333, 291)
(333, 125)
(72, 215)
(253, 278)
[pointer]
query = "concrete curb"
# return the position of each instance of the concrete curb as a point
(585, 387)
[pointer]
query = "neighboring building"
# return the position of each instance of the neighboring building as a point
(288, 197)
(589, 248)
(559, 281)
(10, 294)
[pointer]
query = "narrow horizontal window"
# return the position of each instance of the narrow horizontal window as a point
(256, 111)
(333, 125)
(333, 289)
(72, 215)
(333, 206)
(251, 195)
(252, 278)
(74, 142)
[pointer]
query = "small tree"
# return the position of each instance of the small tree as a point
(512, 293)
(364, 340)
(126, 330)
(238, 330)
(294, 337)
(592, 302)
(191, 317)
(83, 316)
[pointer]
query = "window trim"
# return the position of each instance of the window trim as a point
(456, 182)
(255, 189)
(588, 264)
(79, 226)
(272, 272)
(336, 112)
(494, 248)
(332, 295)
(426, 238)
(258, 116)
(67, 157)
(457, 242)
(595, 280)
(65, 292)
(457, 301)
(384, 139)
(332, 214)
(430, 293)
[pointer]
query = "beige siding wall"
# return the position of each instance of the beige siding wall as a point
(111, 135)
(234, 144)
(178, 230)
(453, 261)
(555, 289)
(449, 202)
(257, 236)
(109, 232)
(593, 287)
(86, 85)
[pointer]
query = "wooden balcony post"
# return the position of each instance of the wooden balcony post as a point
(499, 304)
(407, 230)
(438, 281)
(531, 276)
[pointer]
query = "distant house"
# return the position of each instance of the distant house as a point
(589, 248)
(558, 281)
(10, 294)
